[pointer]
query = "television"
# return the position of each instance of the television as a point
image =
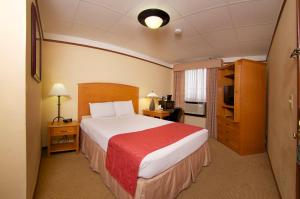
(229, 95)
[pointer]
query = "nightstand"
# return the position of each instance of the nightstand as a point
(156, 113)
(63, 137)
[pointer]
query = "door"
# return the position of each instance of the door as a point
(282, 102)
(295, 55)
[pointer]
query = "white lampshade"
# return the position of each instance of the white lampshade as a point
(152, 95)
(153, 22)
(58, 89)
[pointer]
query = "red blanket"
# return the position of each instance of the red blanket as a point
(126, 151)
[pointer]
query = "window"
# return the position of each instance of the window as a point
(195, 85)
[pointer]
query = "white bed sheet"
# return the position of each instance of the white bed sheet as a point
(102, 129)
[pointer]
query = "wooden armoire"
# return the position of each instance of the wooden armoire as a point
(241, 106)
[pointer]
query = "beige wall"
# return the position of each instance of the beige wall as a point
(33, 115)
(282, 120)
(197, 121)
(70, 65)
(12, 106)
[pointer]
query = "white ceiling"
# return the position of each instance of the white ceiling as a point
(210, 28)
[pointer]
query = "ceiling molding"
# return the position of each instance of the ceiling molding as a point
(104, 46)
(226, 59)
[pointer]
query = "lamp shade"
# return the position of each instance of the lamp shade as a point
(153, 22)
(152, 95)
(58, 89)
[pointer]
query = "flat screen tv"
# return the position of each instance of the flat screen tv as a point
(229, 95)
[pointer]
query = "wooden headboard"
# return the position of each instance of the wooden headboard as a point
(105, 92)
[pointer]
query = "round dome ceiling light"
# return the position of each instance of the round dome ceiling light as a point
(153, 18)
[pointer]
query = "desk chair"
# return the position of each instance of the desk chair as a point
(175, 115)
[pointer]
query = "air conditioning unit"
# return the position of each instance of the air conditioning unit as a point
(195, 108)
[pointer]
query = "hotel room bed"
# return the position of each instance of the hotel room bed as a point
(100, 130)
(162, 173)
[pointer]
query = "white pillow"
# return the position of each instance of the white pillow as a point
(105, 109)
(123, 108)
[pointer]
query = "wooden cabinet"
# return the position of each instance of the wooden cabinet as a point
(242, 126)
(66, 133)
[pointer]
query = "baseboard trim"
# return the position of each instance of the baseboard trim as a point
(38, 176)
(277, 186)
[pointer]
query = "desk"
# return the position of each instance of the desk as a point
(156, 113)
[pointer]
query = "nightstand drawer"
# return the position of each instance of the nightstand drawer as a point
(148, 113)
(69, 130)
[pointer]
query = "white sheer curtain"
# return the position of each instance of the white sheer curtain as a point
(195, 85)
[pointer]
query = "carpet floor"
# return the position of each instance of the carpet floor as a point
(229, 176)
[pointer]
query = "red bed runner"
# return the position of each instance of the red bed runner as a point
(126, 151)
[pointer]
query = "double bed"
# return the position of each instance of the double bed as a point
(162, 173)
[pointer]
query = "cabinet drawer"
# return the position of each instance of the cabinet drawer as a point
(233, 144)
(228, 135)
(70, 130)
(231, 124)
(220, 128)
(230, 127)
(232, 133)
(221, 134)
(223, 139)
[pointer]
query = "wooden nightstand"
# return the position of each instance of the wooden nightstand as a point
(156, 113)
(61, 129)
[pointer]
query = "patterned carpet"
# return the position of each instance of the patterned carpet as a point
(229, 176)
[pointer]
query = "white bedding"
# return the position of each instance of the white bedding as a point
(102, 129)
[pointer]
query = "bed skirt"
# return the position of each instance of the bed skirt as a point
(168, 184)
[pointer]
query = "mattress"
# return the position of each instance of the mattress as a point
(102, 129)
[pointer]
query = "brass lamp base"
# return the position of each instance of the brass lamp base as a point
(57, 118)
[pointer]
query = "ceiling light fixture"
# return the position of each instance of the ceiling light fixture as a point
(154, 18)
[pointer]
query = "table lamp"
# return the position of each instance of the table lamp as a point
(152, 95)
(58, 90)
